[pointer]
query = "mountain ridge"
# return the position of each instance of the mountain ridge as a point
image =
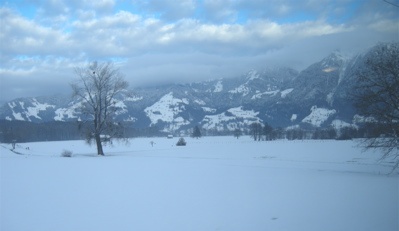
(317, 96)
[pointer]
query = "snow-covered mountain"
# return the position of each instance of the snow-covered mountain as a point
(317, 96)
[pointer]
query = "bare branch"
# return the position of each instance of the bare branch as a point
(393, 4)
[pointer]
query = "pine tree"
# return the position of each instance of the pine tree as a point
(196, 132)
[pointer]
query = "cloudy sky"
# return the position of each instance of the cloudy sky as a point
(163, 41)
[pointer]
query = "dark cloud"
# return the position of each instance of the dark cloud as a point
(35, 82)
(189, 67)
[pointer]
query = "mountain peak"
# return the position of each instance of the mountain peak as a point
(335, 59)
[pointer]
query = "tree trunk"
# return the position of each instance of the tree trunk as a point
(99, 145)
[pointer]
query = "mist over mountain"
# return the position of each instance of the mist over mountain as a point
(318, 96)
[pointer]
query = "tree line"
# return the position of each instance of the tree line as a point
(265, 132)
(23, 131)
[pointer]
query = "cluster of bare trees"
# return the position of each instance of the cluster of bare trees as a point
(266, 132)
(373, 131)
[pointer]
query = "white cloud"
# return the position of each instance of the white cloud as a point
(385, 25)
(20, 36)
(124, 34)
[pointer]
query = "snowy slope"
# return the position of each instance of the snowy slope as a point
(167, 110)
(318, 116)
(30, 109)
(230, 120)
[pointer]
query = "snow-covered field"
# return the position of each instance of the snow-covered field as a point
(213, 183)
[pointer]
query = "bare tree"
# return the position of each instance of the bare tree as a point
(268, 131)
(237, 133)
(97, 87)
(376, 96)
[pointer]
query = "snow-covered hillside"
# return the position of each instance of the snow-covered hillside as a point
(167, 110)
(231, 119)
(213, 183)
